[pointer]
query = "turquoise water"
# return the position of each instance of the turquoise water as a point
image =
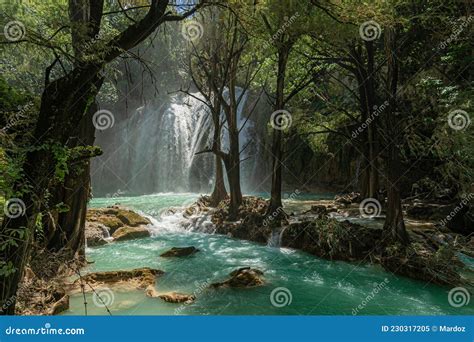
(315, 286)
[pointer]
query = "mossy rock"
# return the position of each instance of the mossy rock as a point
(242, 278)
(131, 218)
(112, 222)
(130, 233)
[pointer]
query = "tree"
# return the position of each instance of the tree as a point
(205, 71)
(225, 72)
(394, 225)
(64, 103)
(283, 26)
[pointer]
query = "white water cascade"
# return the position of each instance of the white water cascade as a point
(154, 150)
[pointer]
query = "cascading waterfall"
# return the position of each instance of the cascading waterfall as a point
(154, 150)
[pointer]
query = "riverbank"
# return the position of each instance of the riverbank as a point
(316, 286)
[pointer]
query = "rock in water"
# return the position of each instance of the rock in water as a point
(176, 297)
(180, 252)
(138, 278)
(129, 233)
(170, 297)
(96, 234)
(242, 278)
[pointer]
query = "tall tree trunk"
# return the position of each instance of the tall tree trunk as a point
(364, 73)
(277, 151)
(219, 193)
(394, 227)
(67, 98)
(233, 165)
(66, 230)
(64, 103)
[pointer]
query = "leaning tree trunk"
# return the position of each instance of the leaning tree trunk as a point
(67, 98)
(66, 229)
(394, 227)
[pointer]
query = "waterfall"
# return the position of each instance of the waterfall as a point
(154, 149)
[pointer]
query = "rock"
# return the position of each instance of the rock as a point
(131, 218)
(242, 278)
(112, 222)
(121, 223)
(179, 252)
(129, 233)
(176, 297)
(96, 234)
(116, 216)
(346, 199)
(420, 261)
(170, 297)
(330, 239)
(428, 211)
(319, 209)
(139, 278)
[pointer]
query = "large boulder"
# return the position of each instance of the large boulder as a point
(423, 262)
(428, 211)
(346, 199)
(130, 233)
(252, 224)
(139, 278)
(96, 234)
(180, 252)
(170, 297)
(177, 297)
(118, 222)
(242, 278)
(330, 239)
